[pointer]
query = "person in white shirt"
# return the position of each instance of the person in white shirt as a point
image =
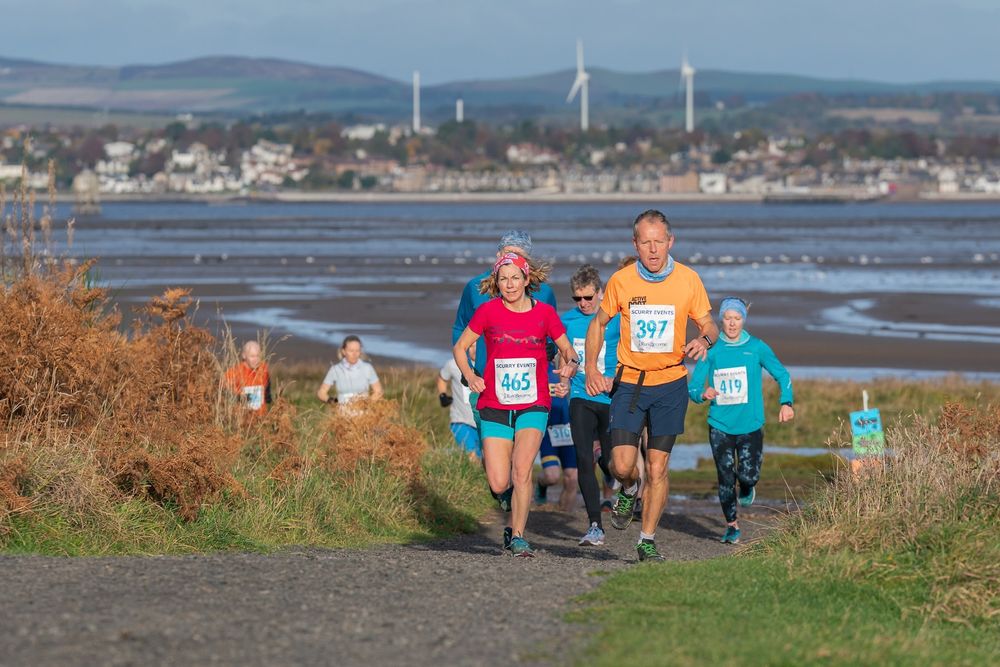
(352, 376)
(463, 423)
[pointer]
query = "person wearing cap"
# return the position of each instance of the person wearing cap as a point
(516, 241)
(730, 377)
(655, 298)
(513, 396)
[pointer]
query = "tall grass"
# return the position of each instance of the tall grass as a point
(822, 406)
(926, 518)
(897, 565)
(130, 441)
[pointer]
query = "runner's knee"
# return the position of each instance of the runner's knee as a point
(656, 469)
(550, 475)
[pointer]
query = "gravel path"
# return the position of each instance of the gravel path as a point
(446, 602)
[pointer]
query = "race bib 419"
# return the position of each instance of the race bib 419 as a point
(731, 383)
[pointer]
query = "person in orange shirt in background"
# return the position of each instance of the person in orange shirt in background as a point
(656, 297)
(250, 379)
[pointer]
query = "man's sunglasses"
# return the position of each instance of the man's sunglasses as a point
(578, 299)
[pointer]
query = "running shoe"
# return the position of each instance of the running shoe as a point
(647, 551)
(731, 536)
(504, 499)
(508, 535)
(622, 510)
(594, 536)
(606, 506)
(541, 493)
(747, 500)
(520, 548)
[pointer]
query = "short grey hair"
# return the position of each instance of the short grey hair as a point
(584, 276)
(651, 215)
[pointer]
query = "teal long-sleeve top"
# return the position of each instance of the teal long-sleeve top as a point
(472, 299)
(734, 369)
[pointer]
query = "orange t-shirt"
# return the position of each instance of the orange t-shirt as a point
(252, 383)
(654, 321)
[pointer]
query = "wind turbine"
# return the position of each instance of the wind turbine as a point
(581, 84)
(687, 77)
(416, 101)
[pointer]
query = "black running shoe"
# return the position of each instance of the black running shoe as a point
(541, 493)
(622, 510)
(647, 551)
(504, 499)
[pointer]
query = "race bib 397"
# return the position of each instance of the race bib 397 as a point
(651, 328)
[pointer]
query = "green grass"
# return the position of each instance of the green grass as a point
(822, 407)
(755, 611)
(38, 116)
(899, 564)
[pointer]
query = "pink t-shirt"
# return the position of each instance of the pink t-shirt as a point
(516, 372)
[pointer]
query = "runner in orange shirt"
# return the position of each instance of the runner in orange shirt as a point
(250, 379)
(655, 297)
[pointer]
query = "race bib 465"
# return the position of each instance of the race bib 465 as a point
(515, 381)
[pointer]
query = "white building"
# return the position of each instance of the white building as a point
(947, 181)
(362, 132)
(712, 183)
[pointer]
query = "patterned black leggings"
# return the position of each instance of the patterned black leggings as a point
(737, 457)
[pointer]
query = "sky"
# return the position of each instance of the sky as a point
(886, 40)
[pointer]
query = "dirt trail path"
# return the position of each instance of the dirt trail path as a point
(448, 602)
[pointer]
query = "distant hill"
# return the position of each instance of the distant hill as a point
(240, 86)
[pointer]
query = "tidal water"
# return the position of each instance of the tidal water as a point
(264, 261)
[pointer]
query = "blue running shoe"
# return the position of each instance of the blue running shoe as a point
(520, 548)
(594, 536)
(731, 536)
(747, 500)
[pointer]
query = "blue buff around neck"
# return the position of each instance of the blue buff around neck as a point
(651, 277)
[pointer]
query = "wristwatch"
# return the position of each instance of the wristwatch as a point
(708, 341)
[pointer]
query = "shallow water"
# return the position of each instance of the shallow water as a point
(686, 457)
(257, 258)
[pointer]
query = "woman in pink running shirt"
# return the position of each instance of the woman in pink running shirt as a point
(514, 395)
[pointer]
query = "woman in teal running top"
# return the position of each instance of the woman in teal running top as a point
(732, 370)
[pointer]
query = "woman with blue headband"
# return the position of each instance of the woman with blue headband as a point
(732, 373)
